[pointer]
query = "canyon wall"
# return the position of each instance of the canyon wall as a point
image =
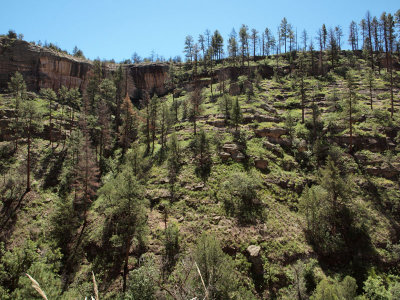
(46, 68)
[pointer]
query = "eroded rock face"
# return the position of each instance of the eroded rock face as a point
(45, 68)
(41, 67)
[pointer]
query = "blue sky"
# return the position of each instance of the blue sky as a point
(115, 29)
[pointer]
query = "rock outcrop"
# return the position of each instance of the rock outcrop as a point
(47, 68)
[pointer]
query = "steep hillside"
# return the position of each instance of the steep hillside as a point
(265, 180)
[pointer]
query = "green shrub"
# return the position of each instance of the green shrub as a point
(239, 195)
(330, 289)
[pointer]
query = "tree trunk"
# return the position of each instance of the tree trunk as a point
(351, 128)
(391, 88)
(370, 93)
(28, 163)
(51, 125)
(125, 274)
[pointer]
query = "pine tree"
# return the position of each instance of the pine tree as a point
(165, 123)
(31, 116)
(370, 79)
(196, 98)
(351, 103)
(188, 50)
(302, 85)
(337, 191)
(128, 129)
(225, 105)
(233, 46)
(50, 96)
(244, 42)
(119, 89)
(236, 114)
(154, 103)
(75, 100)
(17, 87)
(202, 153)
(174, 161)
(217, 43)
(254, 39)
(124, 205)
(284, 31)
(86, 172)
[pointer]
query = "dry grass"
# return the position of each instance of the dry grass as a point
(36, 286)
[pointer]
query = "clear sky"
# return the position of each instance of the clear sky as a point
(115, 29)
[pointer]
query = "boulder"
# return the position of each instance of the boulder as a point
(232, 149)
(254, 254)
(268, 108)
(261, 164)
(389, 172)
(224, 156)
(253, 251)
(274, 132)
(234, 89)
(266, 118)
(238, 157)
(217, 123)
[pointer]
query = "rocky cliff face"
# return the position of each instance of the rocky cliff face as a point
(45, 68)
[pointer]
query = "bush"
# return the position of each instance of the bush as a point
(11, 34)
(217, 271)
(239, 195)
(141, 283)
(171, 244)
(330, 289)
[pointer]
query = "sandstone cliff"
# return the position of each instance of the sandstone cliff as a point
(46, 68)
